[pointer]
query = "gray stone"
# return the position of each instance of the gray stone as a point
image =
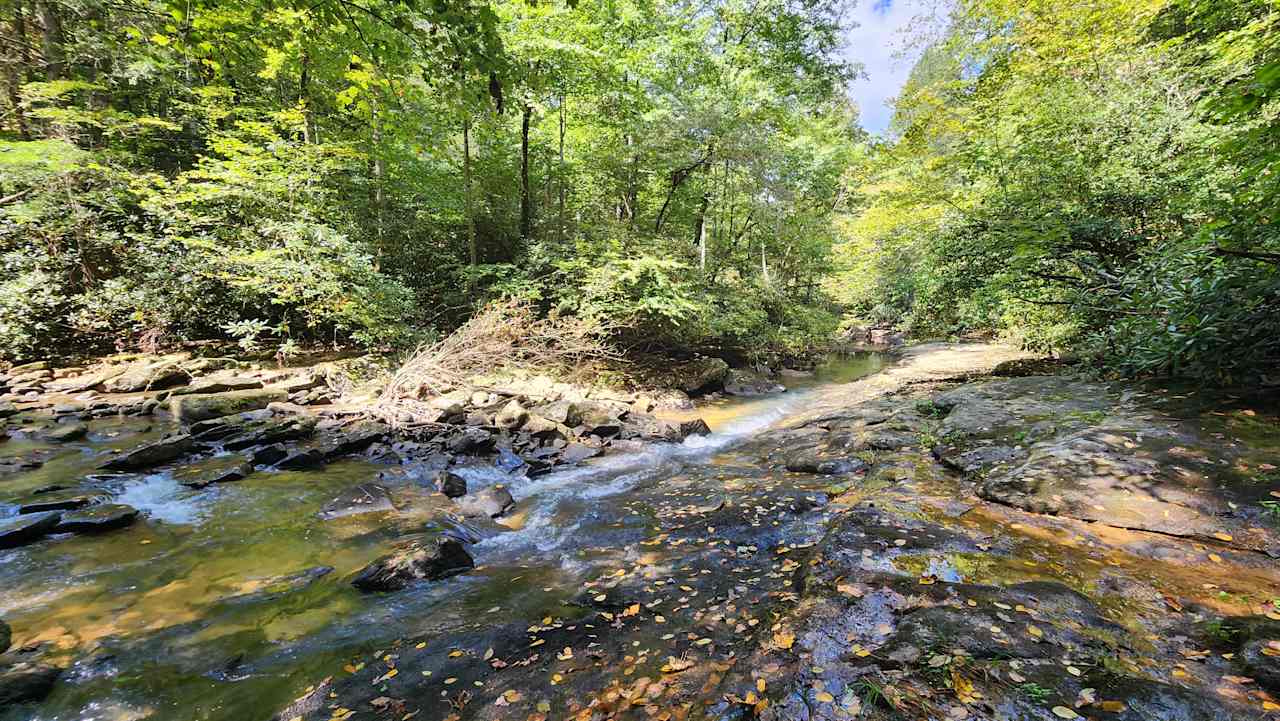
(269, 455)
(431, 560)
(227, 470)
(97, 519)
(512, 416)
(450, 484)
(147, 376)
(66, 432)
(193, 408)
(28, 528)
(151, 454)
(491, 502)
(218, 384)
(26, 682)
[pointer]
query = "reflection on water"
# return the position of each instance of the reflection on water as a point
(211, 606)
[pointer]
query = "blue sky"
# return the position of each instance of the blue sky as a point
(875, 43)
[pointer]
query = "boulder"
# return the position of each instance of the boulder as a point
(228, 470)
(66, 432)
(97, 519)
(746, 384)
(151, 454)
(7, 409)
(364, 498)
(301, 460)
(578, 452)
(700, 375)
(56, 501)
(269, 455)
(26, 682)
(471, 440)
(491, 502)
(562, 412)
(512, 416)
(219, 384)
(268, 432)
(432, 560)
(355, 439)
(695, 427)
(28, 528)
(193, 408)
(450, 484)
(147, 376)
(811, 460)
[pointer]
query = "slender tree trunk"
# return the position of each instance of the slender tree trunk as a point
(563, 102)
(54, 62)
(11, 86)
(700, 230)
(378, 166)
(526, 209)
(304, 98)
(468, 201)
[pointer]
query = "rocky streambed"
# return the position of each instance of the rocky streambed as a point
(926, 542)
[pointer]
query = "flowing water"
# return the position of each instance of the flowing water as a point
(219, 604)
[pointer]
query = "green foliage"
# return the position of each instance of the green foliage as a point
(1095, 179)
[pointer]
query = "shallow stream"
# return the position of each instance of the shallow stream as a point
(218, 604)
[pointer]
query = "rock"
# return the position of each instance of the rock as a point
(219, 384)
(364, 498)
(491, 502)
(747, 384)
(600, 418)
(301, 460)
(79, 384)
(450, 484)
(60, 502)
(7, 409)
(512, 416)
(269, 455)
(355, 439)
(269, 432)
(433, 560)
(563, 412)
(271, 589)
(230, 470)
(193, 408)
(28, 528)
(701, 375)
(147, 376)
(66, 432)
(308, 703)
(813, 461)
(151, 454)
(29, 368)
(578, 452)
(6, 636)
(536, 425)
(97, 519)
(26, 682)
(695, 427)
(471, 440)
(672, 399)
(507, 461)
(650, 428)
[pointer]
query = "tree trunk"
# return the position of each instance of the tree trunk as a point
(700, 230)
(304, 98)
(54, 63)
(560, 231)
(468, 201)
(526, 209)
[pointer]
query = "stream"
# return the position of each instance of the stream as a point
(230, 601)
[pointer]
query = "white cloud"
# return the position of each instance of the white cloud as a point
(876, 43)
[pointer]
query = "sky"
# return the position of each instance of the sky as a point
(874, 43)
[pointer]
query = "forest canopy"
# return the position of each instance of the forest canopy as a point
(1095, 179)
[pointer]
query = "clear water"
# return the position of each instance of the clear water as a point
(184, 615)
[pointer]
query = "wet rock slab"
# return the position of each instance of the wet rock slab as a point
(27, 528)
(432, 560)
(97, 519)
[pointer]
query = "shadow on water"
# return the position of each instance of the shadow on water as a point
(218, 605)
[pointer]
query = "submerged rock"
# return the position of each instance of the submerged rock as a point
(450, 484)
(26, 682)
(58, 502)
(227, 471)
(97, 519)
(151, 454)
(364, 498)
(272, 588)
(66, 432)
(433, 560)
(491, 502)
(29, 528)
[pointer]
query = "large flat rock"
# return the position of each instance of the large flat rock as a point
(202, 407)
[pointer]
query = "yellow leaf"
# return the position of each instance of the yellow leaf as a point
(1064, 712)
(1223, 536)
(1113, 706)
(783, 640)
(825, 697)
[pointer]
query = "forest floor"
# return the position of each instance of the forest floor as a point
(950, 537)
